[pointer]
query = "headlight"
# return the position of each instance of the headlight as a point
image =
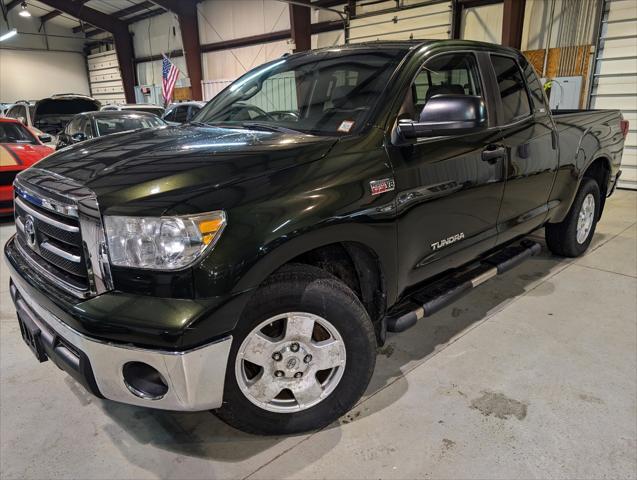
(161, 243)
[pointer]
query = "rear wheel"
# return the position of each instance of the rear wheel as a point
(301, 357)
(571, 237)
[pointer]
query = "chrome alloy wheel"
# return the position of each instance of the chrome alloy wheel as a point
(290, 362)
(585, 218)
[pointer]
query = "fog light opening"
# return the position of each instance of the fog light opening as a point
(144, 381)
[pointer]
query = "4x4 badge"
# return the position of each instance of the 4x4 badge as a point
(381, 186)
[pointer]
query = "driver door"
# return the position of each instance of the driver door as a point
(448, 189)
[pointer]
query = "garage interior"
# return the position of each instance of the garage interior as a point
(532, 375)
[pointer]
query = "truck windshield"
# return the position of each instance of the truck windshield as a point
(106, 125)
(327, 93)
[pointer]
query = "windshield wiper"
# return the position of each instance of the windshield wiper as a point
(268, 126)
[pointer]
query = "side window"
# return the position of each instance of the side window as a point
(194, 110)
(74, 126)
(535, 88)
(446, 74)
(515, 101)
(170, 116)
(17, 111)
(87, 128)
(181, 113)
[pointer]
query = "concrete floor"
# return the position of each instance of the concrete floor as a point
(533, 375)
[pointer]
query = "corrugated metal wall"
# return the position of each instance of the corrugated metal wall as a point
(412, 22)
(615, 75)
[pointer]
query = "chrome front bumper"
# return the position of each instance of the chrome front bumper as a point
(195, 378)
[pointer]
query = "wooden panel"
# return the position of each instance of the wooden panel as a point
(536, 58)
(578, 67)
(182, 93)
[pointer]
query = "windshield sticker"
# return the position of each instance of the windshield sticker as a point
(346, 126)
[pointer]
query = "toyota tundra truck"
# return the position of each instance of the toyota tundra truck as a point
(251, 261)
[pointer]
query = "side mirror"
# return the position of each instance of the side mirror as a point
(447, 115)
(46, 138)
(78, 137)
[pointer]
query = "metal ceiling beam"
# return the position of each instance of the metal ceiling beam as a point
(320, 27)
(13, 4)
(145, 15)
(121, 36)
(188, 25)
(300, 23)
(329, 3)
(55, 13)
(140, 7)
(138, 18)
(512, 23)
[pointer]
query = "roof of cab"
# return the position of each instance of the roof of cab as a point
(415, 43)
(117, 113)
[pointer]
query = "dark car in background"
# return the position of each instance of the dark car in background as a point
(138, 107)
(178, 113)
(97, 124)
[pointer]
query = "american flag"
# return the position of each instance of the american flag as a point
(169, 75)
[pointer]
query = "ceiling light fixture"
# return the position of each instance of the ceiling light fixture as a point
(24, 12)
(11, 33)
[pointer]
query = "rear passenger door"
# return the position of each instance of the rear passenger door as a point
(528, 136)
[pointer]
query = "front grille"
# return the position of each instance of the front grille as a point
(53, 241)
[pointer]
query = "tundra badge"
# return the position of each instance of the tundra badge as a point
(382, 186)
(447, 241)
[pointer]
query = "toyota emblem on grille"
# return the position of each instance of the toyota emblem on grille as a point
(29, 230)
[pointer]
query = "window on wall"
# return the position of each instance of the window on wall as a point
(515, 101)
(446, 74)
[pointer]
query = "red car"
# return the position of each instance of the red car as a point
(19, 149)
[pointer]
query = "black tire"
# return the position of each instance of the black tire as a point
(561, 238)
(303, 288)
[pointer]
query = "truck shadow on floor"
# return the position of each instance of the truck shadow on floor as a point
(202, 435)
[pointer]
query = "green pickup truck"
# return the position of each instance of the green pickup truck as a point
(252, 260)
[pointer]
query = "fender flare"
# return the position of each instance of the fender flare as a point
(372, 236)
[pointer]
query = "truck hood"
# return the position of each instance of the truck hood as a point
(172, 164)
(52, 114)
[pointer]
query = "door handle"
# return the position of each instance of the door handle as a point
(492, 155)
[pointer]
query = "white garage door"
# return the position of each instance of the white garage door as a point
(615, 75)
(428, 22)
(105, 79)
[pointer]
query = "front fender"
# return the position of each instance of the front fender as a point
(378, 237)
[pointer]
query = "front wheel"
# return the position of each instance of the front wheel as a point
(302, 354)
(571, 237)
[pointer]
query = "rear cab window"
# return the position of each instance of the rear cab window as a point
(514, 98)
(536, 91)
